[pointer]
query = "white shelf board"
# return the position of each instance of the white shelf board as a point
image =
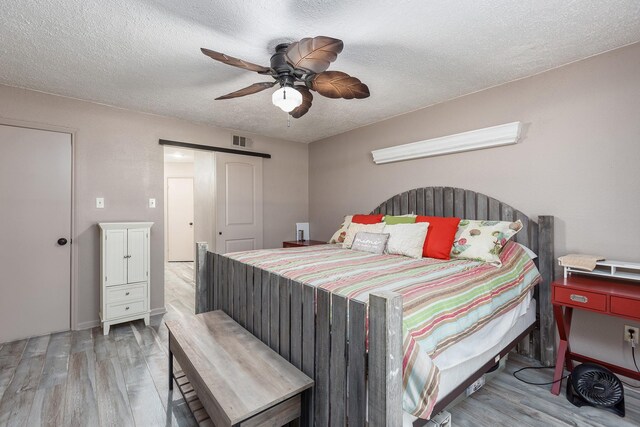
(494, 136)
(611, 268)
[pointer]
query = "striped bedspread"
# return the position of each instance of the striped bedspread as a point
(443, 301)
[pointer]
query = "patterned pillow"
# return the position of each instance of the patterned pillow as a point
(370, 242)
(338, 236)
(483, 240)
(406, 239)
(355, 228)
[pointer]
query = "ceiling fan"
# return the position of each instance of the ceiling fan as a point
(305, 62)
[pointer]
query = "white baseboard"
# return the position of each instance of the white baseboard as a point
(158, 311)
(93, 323)
(87, 325)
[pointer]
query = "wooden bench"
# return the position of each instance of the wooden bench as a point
(238, 380)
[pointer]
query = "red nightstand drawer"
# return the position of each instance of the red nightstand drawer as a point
(580, 298)
(625, 307)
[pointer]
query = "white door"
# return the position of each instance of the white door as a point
(116, 254)
(238, 203)
(136, 255)
(180, 219)
(35, 215)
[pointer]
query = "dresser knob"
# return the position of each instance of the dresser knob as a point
(127, 293)
(126, 308)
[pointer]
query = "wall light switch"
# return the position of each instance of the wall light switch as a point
(100, 202)
(152, 203)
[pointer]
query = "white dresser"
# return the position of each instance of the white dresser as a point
(124, 272)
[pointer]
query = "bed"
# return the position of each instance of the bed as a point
(317, 308)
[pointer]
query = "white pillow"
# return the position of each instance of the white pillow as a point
(406, 239)
(354, 228)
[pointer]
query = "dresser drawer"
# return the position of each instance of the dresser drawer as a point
(120, 309)
(581, 299)
(126, 292)
(625, 307)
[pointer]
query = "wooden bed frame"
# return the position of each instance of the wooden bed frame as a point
(324, 334)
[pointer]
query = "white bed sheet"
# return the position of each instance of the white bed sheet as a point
(467, 356)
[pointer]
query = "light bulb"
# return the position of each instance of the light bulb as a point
(287, 98)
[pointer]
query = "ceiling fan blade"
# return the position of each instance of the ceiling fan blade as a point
(254, 88)
(314, 54)
(307, 98)
(235, 62)
(336, 84)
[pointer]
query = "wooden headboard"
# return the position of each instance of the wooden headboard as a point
(536, 235)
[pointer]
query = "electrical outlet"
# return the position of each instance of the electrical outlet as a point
(627, 335)
(477, 385)
(100, 202)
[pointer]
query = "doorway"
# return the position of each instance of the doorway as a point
(35, 225)
(210, 197)
(179, 205)
(180, 228)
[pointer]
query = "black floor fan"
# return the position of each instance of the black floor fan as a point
(595, 385)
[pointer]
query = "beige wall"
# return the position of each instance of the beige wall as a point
(579, 160)
(117, 156)
(204, 213)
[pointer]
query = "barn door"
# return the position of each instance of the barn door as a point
(238, 203)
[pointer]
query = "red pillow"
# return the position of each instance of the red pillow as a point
(440, 236)
(367, 219)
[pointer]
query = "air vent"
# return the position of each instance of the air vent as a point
(239, 141)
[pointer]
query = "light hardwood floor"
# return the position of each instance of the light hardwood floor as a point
(506, 401)
(83, 378)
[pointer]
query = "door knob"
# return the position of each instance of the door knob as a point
(62, 241)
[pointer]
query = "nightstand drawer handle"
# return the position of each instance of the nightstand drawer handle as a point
(579, 298)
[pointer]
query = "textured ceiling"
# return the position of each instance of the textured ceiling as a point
(145, 54)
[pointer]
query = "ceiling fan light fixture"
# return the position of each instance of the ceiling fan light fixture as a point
(286, 98)
(298, 67)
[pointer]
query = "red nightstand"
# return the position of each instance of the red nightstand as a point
(601, 295)
(299, 243)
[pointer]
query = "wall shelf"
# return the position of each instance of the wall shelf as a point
(494, 136)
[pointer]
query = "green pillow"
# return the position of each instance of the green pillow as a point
(391, 220)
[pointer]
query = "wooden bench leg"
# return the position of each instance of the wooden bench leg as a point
(170, 370)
